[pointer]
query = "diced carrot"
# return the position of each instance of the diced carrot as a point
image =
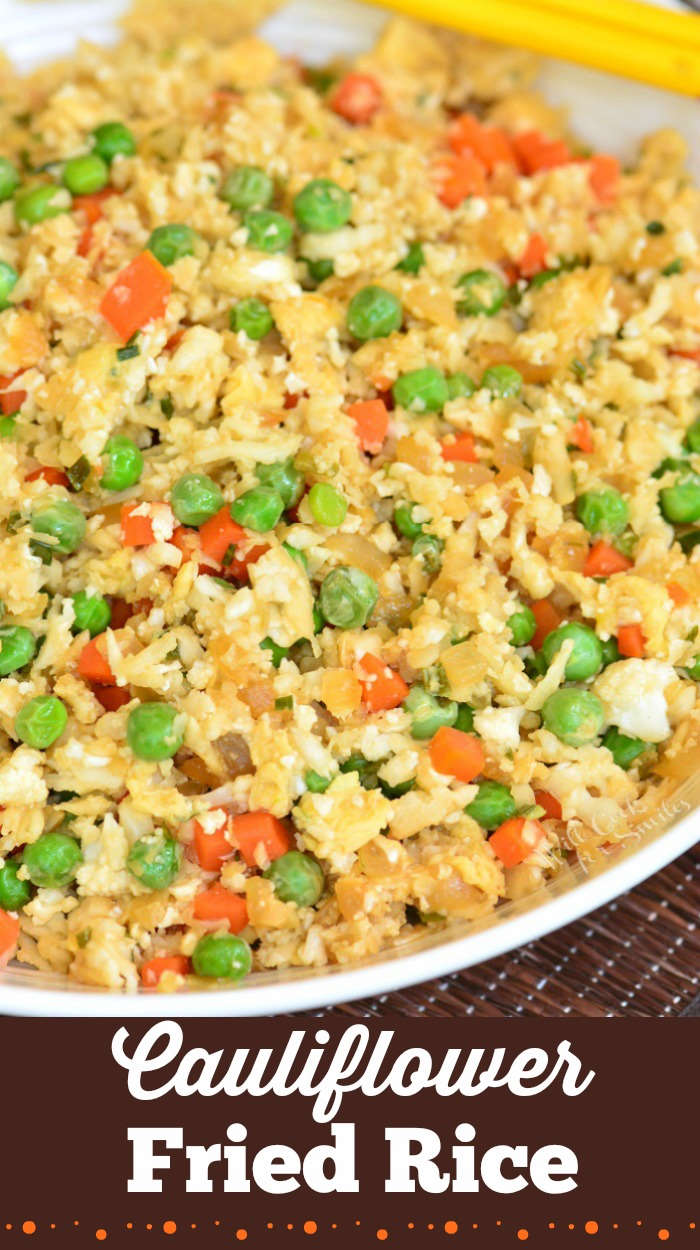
(604, 177)
(694, 354)
(218, 903)
(536, 152)
(9, 933)
(91, 205)
(534, 258)
(489, 144)
(153, 969)
(357, 97)
(551, 805)
(515, 839)
(219, 533)
(678, 593)
(212, 848)
(93, 665)
(546, 619)
(455, 177)
(238, 569)
(123, 611)
(382, 687)
(371, 423)
(54, 477)
(84, 242)
(581, 435)
(260, 834)
(175, 339)
(603, 560)
(11, 402)
(456, 753)
(138, 294)
(111, 697)
(631, 641)
(460, 449)
(136, 527)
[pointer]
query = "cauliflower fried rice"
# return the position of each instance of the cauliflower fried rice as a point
(350, 462)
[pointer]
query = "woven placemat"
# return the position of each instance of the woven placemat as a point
(639, 956)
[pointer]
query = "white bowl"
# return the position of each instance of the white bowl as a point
(608, 112)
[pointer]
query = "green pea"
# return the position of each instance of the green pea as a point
(493, 804)
(194, 498)
(8, 280)
(422, 390)
(313, 782)
(247, 187)
(481, 291)
(319, 270)
(9, 179)
(414, 259)
(282, 477)
(155, 860)
(92, 612)
(574, 716)
(268, 231)
(693, 669)
(374, 313)
(610, 651)
(297, 555)
(277, 653)
(542, 278)
(62, 521)
(328, 507)
(602, 511)
(348, 597)
(367, 770)
(52, 861)
(14, 891)
(84, 175)
(503, 381)
(460, 386)
(322, 206)
(427, 713)
(259, 509)
(522, 626)
(585, 660)
(680, 503)
(404, 520)
(172, 242)
(112, 139)
(465, 718)
(17, 648)
(8, 427)
(428, 548)
(624, 750)
(253, 318)
(297, 878)
(123, 463)
(395, 792)
(692, 437)
(535, 665)
(222, 957)
(155, 731)
(41, 721)
(39, 203)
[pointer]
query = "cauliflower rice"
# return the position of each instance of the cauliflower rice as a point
(342, 620)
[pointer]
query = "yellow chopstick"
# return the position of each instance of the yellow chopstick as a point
(577, 31)
(630, 15)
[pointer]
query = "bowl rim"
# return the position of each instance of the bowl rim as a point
(385, 974)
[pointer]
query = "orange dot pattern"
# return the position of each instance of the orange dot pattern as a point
(311, 1227)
